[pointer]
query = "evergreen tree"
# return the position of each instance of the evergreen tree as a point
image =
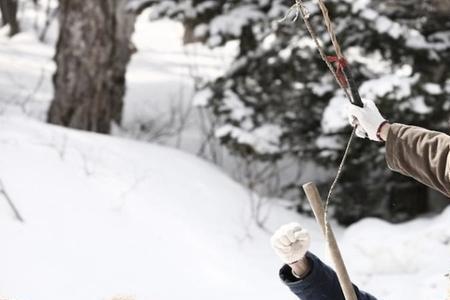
(277, 101)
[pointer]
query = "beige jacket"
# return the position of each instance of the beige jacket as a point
(421, 154)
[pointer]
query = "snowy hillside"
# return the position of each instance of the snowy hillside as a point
(106, 216)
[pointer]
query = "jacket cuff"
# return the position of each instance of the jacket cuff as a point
(300, 285)
(391, 146)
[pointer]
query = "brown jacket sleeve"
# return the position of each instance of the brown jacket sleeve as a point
(421, 154)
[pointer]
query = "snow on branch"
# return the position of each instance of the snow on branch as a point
(137, 6)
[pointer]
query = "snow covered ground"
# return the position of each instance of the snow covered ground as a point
(108, 216)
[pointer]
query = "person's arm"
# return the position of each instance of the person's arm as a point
(320, 281)
(421, 154)
(412, 151)
(301, 268)
(305, 274)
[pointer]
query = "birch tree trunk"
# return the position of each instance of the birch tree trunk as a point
(92, 54)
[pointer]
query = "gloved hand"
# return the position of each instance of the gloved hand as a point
(368, 119)
(291, 242)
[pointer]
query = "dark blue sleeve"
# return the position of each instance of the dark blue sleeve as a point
(320, 284)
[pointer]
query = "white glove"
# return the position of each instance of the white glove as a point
(291, 242)
(368, 119)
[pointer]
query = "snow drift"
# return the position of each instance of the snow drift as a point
(106, 216)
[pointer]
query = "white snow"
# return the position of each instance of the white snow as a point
(375, 62)
(404, 71)
(418, 105)
(202, 97)
(383, 24)
(231, 23)
(432, 88)
(264, 139)
(413, 37)
(232, 103)
(268, 41)
(413, 253)
(359, 5)
(399, 86)
(25, 75)
(335, 115)
(327, 142)
(386, 25)
(201, 30)
(325, 85)
(106, 216)
(285, 54)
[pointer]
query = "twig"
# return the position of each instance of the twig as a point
(50, 16)
(36, 88)
(301, 9)
(10, 202)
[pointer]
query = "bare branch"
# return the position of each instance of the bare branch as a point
(50, 16)
(10, 202)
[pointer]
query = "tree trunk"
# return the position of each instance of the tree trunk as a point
(9, 15)
(92, 53)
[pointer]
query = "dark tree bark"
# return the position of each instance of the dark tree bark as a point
(92, 54)
(9, 15)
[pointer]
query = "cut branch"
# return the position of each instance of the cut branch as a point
(341, 271)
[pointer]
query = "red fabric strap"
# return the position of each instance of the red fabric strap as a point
(340, 64)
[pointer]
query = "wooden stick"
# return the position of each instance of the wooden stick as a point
(317, 206)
